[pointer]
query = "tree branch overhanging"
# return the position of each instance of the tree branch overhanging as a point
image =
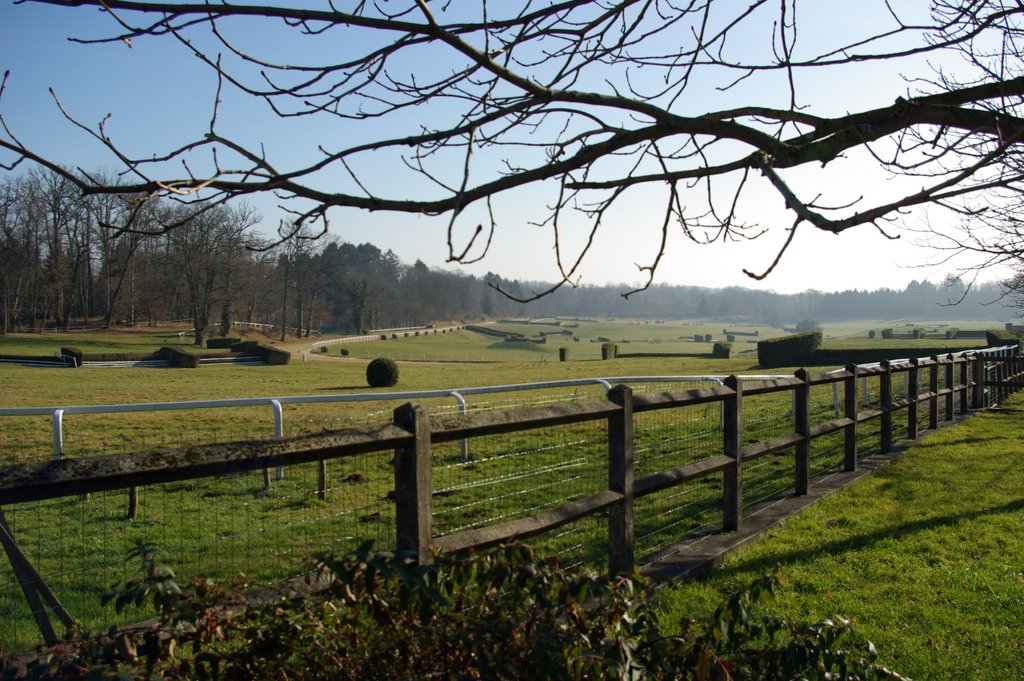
(539, 95)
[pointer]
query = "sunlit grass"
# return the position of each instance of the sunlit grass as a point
(925, 556)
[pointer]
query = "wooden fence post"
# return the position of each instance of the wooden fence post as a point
(321, 479)
(802, 421)
(850, 409)
(1015, 373)
(950, 382)
(885, 399)
(413, 484)
(978, 399)
(1001, 379)
(912, 430)
(620, 479)
(995, 390)
(732, 445)
(133, 503)
(965, 380)
(933, 388)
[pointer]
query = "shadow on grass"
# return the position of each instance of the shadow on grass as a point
(343, 388)
(862, 541)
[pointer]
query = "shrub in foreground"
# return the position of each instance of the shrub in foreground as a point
(501, 615)
(382, 373)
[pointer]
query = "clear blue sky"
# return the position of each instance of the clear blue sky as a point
(159, 97)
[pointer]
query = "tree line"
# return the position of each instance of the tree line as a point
(70, 260)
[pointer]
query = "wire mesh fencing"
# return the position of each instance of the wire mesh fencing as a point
(230, 525)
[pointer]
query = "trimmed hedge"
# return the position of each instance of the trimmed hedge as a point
(788, 351)
(997, 337)
(72, 356)
(636, 355)
(244, 345)
(497, 333)
(221, 343)
(271, 355)
(382, 373)
(56, 361)
(563, 354)
(721, 350)
(179, 358)
(836, 358)
(609, 351)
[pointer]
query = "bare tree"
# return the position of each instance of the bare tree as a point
(205, 249)
(590, 100)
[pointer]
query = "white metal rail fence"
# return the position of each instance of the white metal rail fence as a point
(65, 530)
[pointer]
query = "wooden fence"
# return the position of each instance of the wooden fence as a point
(952, 387)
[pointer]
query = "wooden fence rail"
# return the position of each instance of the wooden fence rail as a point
(977, 381)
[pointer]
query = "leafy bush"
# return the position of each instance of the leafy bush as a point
(344, 352)
(807, 325)
(382, 373)
(500, 615)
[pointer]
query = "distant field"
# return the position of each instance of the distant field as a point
(439, 360)
(136, 341)
(583, 338)
(858, 330)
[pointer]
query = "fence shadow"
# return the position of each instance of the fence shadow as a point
(865, 540)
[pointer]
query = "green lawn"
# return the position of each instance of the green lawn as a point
(229, 525)
(926, 556)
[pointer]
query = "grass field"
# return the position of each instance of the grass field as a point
(220, 527)
(223, 526)
(925, 556)
(583, 339)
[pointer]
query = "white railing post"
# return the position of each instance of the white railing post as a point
(464, 443)
(58, 433)
(275, 405)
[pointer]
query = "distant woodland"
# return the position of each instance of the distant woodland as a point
(66, 262)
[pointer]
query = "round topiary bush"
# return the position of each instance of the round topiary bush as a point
(344, 352)
(382, 373)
